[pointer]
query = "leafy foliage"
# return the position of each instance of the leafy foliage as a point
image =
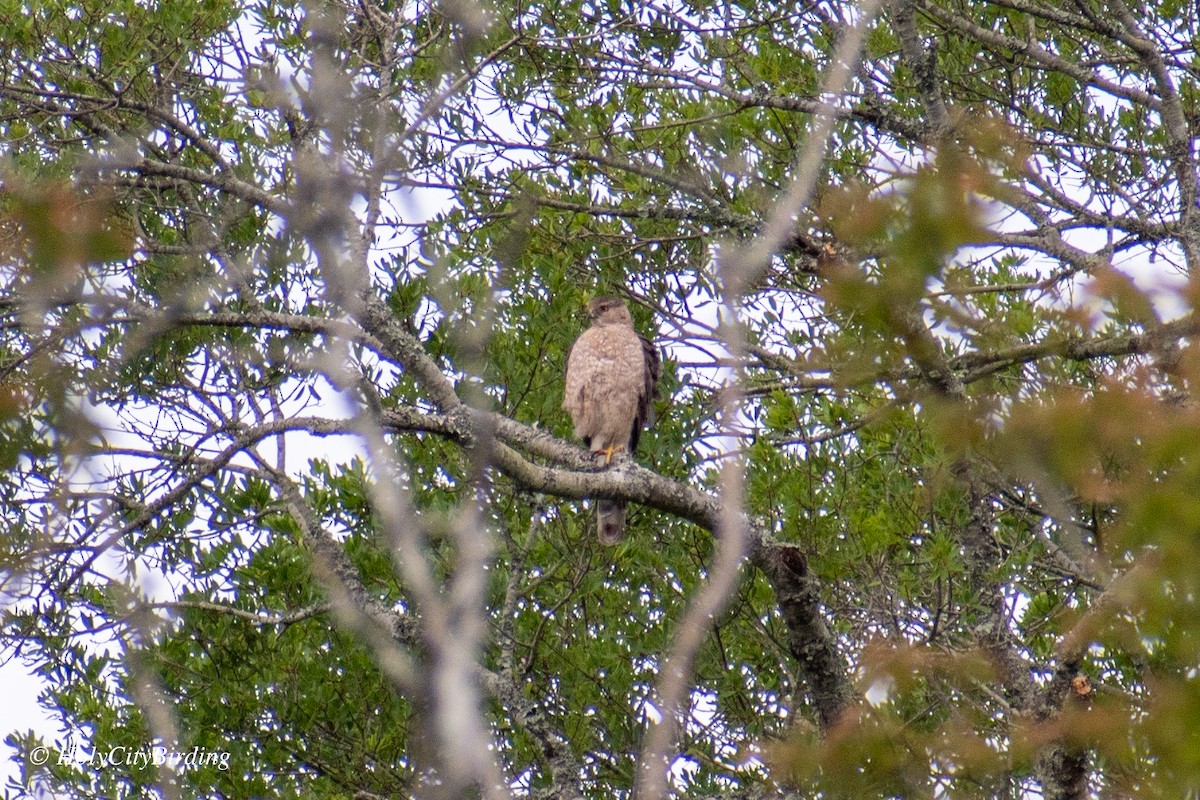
(287, 295)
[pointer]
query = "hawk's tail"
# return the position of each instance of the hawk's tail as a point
(611, 517)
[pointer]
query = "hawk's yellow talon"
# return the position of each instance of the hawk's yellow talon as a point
(609, 452)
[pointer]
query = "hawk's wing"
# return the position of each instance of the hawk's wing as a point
(653, 366)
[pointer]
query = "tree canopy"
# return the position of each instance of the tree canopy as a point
(286, 296)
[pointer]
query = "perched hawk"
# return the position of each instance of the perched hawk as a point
(612, 375)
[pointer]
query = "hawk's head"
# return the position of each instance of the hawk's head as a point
(609, 311)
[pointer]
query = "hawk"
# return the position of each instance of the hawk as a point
(612, 378)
